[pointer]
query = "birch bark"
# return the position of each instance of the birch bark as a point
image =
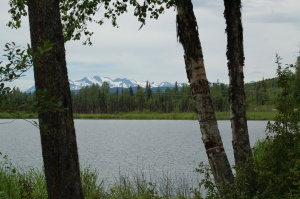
(187, 32)
(235, 57)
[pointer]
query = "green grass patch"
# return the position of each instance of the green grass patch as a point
(146, 116)
(172, 116)
(18, 115)
(261, 115)
(140, 116)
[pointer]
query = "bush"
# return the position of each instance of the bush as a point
(277, 165)
(276, 159)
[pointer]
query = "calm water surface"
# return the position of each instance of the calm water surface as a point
(111, 146)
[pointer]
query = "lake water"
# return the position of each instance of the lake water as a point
(111, 146)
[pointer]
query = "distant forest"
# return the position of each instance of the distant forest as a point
(260, 96)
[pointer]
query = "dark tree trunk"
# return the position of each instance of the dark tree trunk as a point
(55, 114)
(187, 32)
(235, 56)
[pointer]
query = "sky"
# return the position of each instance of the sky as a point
(153, 53)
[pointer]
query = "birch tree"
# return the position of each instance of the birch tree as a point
(187, 33)
(235, 57)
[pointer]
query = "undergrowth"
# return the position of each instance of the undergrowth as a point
(17, 183)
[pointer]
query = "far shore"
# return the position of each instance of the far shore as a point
(146, 116)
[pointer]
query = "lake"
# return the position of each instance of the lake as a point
(117, 146)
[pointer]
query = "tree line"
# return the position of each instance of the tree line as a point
(96, 99)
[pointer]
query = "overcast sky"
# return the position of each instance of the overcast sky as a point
(153, 53)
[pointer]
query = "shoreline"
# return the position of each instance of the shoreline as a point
(146, 116)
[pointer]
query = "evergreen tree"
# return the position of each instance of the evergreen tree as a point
(176, 87)
(103, 96)
(148, 91)
(139, 99)
(296, 81)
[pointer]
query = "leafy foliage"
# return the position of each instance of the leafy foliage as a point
(279, 165)
(206, 184)
(77, 15)
(288, 117)
(19, 61)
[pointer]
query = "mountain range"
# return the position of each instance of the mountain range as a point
(116, 83)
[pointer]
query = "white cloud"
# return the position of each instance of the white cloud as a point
(270, 27)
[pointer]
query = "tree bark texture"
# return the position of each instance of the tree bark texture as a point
(59, 147)
(235, 56)
(187, 32)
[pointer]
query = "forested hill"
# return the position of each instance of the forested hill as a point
(260, 96)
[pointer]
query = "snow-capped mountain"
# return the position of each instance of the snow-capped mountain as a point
(116, 83)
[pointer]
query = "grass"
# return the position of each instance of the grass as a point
(140, 116)
(19, 184)
(18, 115)
(146, 116)
(172, 116)
(261, 115)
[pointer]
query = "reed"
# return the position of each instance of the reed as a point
(21, 184)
